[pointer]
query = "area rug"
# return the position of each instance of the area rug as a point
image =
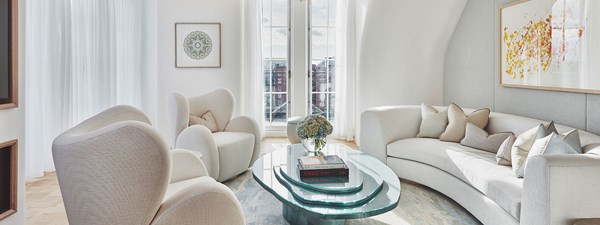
(418, 205)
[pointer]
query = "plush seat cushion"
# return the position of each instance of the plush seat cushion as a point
(235, 152)
(475, 167)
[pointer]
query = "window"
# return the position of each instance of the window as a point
(275, 59)
(317, 33)
(322, 55)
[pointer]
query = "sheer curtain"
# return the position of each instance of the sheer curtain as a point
(252, 74)
(345, 69)
(82, 56)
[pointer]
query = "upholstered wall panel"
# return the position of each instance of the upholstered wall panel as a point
(471, 80)
(593, 113)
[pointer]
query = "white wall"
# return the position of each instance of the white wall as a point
(403, 45)
(12, 125)
(193, 81)
(472, 76)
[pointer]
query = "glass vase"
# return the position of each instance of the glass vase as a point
(314, 145)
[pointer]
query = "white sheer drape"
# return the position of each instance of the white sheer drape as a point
(345, 70)
(252, 74)
(82, 57)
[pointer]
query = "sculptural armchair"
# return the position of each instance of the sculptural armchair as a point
(235, 143)
(114, 168)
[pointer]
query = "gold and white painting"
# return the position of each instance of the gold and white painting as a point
(551, 44)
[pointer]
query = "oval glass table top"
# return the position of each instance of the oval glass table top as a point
(386, 199)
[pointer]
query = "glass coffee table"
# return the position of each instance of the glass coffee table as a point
(371, 188)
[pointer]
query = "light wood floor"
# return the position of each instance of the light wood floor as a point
(43, 201)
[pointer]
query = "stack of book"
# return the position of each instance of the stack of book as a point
(322, 166)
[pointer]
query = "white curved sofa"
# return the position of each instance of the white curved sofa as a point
(557, 189)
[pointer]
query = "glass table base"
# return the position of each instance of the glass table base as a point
(298, 217)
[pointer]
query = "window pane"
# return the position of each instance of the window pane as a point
(266, 42)
(319, 76)
(279, 109)
(267, 74)
(331, 107)
(319, 43)
(279, 78)
(318, 10)
(266, 13)
(280, 43)
(331, 76)
(280, 13)
(319, 104)
(331, 42)
(268, 108)
(332, 12)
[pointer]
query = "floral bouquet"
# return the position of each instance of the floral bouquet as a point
(313, 130)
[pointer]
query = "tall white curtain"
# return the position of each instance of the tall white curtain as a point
(252, 74)
(345, 70)
(82, 56)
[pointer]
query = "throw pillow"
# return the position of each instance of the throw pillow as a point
(503, 155)
(553, 143)
(207, 119)
(522, 145)
(478, 138)
(433, 123)
(457, 122)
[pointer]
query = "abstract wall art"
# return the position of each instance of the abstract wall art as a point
(551, 45)
(198, 45)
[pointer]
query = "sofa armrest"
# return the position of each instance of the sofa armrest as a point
(247, 125)
(186, 165)
(382, 125)
(206, 202)
(561, 189)
(198, 138)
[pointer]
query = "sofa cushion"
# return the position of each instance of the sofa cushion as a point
(503, 155)
(235, 152)
(457, 121)
(523, 144)
(478, 138)
(475, 167)
(433, 122)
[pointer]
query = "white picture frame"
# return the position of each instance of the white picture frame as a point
(198, 45)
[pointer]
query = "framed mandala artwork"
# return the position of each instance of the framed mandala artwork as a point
(198, 45)
(551, 45)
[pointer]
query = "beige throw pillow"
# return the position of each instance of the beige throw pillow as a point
(457, 122)
(478, 138)
(433, 123)
(522, 145)
(503, 155)
(207, 119)
(567, 143)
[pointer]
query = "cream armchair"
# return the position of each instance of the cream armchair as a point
(114, 168)
(229, 151)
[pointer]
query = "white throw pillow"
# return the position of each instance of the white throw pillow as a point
(522, 145)
(457, 122)
(433, 123)
(207, 119)
(553, 143)
(503, 155)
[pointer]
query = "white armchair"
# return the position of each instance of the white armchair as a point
(114, 168)
(229, 151)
